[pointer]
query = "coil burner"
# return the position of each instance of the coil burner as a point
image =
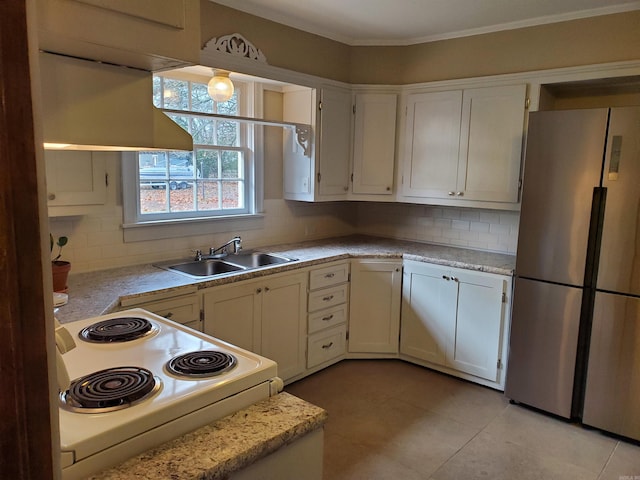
(108, 390)
(203, 363)
(121, 329)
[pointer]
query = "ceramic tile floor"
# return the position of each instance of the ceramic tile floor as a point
(393, 420)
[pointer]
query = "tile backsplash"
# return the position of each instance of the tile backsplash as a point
(489, 230)
(96, 241)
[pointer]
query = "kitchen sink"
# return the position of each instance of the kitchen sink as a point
(209, 267)
(256, 259)
(204, 268)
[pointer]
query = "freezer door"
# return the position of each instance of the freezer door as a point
(613, 378)
(563, 165)
(619, 269)
(543, 344)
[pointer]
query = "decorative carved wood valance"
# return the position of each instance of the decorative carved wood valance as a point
(236, 45)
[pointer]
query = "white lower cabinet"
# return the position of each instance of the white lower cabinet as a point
(266, 317)
(374, 304)
(327, 314)
(456, 321)
(183, 309)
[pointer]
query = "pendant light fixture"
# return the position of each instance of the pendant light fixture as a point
(220, 87)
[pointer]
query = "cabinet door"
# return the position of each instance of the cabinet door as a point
(491, 143)
(334, 151)
(232, 313)
(75, 178)
(428, 312)
(432, 144)
(479, 323)
(284, 323)
(374, 143)
(374, 319)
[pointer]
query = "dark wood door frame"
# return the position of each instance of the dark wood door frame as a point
(25, 429)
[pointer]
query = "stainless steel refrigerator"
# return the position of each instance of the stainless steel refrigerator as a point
(575, 334)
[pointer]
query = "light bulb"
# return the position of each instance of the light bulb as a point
(220, 87)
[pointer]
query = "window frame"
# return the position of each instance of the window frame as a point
(251, 103)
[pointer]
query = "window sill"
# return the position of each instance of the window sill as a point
(136, 232)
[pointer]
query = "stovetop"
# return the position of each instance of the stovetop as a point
(86, 433)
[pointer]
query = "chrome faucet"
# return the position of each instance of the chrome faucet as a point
(235, 241)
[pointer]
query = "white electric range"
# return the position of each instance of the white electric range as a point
(174, 380)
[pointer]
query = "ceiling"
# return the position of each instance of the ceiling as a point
(406, 22)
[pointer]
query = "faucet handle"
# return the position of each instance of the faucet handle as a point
(198, 255)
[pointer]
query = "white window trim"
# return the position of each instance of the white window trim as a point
(139, 230)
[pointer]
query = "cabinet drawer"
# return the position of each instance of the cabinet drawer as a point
(326, 345)
(328, 297)
(325, 277)
(327, 318)
(181, 310)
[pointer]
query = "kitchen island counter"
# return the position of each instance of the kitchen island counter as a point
(100, 292)
(218, 450)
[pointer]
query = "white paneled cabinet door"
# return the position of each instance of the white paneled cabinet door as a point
(454, 319)
(283, 323)
(428, 312)
(432, 144)
(75, 178)
(491, 143)
(374, 143)
(233, 313)
(374, 319)
(479, 323)
(334, 150)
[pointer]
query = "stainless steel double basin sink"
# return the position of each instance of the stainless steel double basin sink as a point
(210, 267)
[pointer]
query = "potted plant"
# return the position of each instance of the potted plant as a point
(59, 268)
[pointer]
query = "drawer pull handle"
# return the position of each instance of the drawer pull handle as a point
(169, 315)
(328, 345)
(327, 318)
(330, 275)
(328, 298)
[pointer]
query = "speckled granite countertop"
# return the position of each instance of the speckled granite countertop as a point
(100, 292)
(217, 450)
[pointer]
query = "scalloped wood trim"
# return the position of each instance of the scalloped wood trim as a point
(235, 44)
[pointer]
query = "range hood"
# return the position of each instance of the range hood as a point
(96, 106)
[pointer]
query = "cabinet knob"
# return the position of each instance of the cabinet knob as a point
(266, 289)
(51, 196)
(169, 315)
(447, 278)
(460, 194)
(455, 279)
(258, 290)
(388, 189)
(451, 194)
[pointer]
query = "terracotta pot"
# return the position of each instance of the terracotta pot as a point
(60, 270)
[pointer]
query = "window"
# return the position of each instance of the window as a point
(216, 179)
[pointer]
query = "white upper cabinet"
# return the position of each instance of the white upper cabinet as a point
(150, 35)
(432, 143)
(76, 181)
(323, 173)
(491, 143)
(464, 146)
(334, 149)
(374, 143)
